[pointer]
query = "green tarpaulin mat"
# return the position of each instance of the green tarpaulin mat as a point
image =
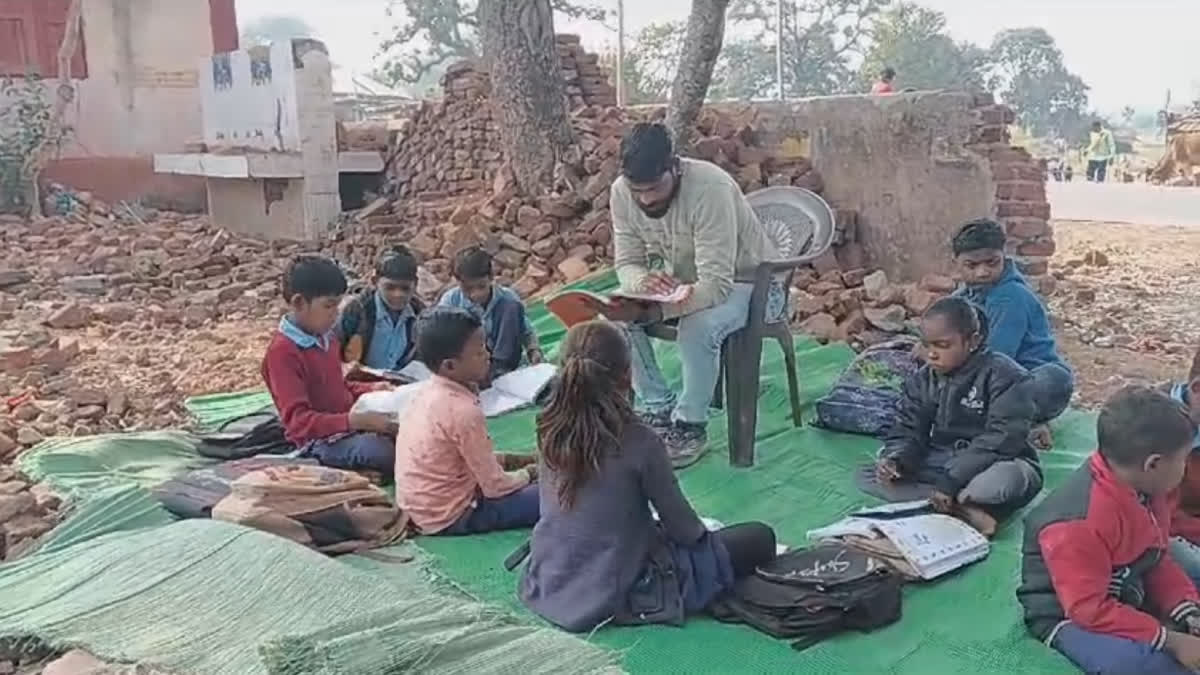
(966, 623)
(209, 597)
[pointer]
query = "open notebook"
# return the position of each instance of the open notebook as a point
(517, 389)
(934, 544)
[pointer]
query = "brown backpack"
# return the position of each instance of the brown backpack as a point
(330, 510)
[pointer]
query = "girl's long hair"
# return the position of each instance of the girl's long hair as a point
(588, 408)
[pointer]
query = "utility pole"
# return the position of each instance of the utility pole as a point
(779, 47)
(620, 75)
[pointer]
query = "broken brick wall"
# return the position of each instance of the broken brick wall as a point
(1020, 182)
(903, 173)
(915, 167)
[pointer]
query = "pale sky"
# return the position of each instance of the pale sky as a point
(1129, 51)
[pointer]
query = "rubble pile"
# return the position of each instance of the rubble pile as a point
(452, 146)
(27, 511)
(834, 303)
(107, 322)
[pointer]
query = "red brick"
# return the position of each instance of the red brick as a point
(1008, 209)
(1040, 248)
(1005, 171)
(991, 134)
(1026, 228)
(1021, 191)
(993, 114)
(1010, 154)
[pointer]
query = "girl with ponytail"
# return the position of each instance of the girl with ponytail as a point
(598, 553)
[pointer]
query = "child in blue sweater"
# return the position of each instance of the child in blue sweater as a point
(1017, 323)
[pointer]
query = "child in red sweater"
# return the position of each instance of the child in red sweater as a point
(303, 372)
(1097, 583)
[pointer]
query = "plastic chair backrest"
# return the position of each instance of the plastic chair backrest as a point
(799, 221)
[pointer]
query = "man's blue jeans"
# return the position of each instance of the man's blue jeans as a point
(1099, 654)
(699, 341)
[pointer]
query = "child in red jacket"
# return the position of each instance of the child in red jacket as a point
(303, 372)
(1097, 583)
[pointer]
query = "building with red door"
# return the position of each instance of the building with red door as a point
(136, 86)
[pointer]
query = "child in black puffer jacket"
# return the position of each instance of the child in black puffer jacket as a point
(963, 423)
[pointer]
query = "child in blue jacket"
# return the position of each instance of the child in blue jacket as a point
(1018, 326)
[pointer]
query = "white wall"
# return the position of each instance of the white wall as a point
(239, 111)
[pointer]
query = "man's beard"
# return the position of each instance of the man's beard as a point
(660, 209)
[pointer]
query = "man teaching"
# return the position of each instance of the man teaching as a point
(681, 222)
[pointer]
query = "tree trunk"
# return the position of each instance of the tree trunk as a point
(527, 89)
(702, 46)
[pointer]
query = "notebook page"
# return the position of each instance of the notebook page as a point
(391, 401)
(930, 542)
(416, 371)
(496, 402)
(524, 383)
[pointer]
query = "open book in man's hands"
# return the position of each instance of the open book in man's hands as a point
(572, 307)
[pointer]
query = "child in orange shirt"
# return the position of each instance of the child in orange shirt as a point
(449, 479)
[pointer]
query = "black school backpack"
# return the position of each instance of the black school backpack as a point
(809, 595)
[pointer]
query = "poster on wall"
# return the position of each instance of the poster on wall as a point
(260, 66)
(222, 72)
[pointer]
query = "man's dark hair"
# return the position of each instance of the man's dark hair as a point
(312, 277)
(887, 74)
(473, 262)
(442, 333)
(398, 264)
(1137, 422)
(978, 235)
(1097, 124)
(646, 152)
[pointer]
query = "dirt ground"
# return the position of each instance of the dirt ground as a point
(1125, 307)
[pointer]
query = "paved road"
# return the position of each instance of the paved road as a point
(1125, 203)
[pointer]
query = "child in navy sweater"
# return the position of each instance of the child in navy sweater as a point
(509, 334)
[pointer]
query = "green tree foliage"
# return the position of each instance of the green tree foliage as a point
(821, 39)
(431, 34)
(913, 40)
(1028, 73)
(650, 63)
(276, 28)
